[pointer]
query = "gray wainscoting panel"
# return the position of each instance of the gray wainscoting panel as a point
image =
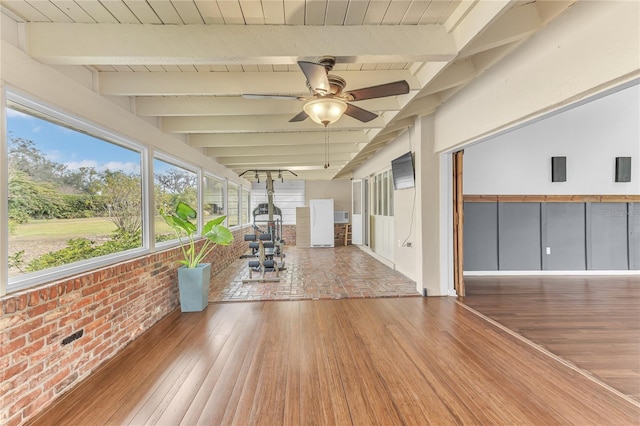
(519, 236)
(608, 236)
(480, 236)
(634, 236)
(563, 234)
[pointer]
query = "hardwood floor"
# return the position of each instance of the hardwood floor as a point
(351, 361)
(592, 322)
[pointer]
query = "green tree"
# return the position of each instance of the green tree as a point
(121, 194)
(26, 157)
(31, 199)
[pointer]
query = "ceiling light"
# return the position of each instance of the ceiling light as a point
(325, 110)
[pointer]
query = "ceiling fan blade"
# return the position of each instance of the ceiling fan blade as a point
(316, 76)
(359, 113)
(389, 89)
(300, 117)
(283, 97)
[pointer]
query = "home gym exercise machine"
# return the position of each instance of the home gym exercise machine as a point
(267, 246)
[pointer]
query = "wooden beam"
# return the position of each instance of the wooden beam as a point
(111, 44)
(270, 139)
(552, 198)
(233, 124)
(232, 83)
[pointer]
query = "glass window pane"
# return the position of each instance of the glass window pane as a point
(233, 199)
(391, 194)
(246, 205)
(379, 190)
(287, 196)
(385, 194)
(213, 203)
(172, 184)
(357, 197)
(73, 195)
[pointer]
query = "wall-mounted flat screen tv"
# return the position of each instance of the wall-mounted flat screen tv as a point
(403, 172)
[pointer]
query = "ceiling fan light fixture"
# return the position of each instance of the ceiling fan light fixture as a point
(325, 110)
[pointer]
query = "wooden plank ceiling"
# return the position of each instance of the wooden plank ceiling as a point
(184, 64)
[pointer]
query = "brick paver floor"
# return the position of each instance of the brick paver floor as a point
(314, 274)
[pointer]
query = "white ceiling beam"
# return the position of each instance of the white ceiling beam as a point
(111, 44)
(458, 73)
(233, 83)
(223, 105)
(272, 139)
(478, 19)
(516, 24)
(237, 124)
(282, 160)
(266, 151)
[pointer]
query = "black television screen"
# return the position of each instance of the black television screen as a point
(403, 174)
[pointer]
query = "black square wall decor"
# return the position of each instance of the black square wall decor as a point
(623, 169)
(558, 169)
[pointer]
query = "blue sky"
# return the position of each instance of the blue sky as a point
(71, 148)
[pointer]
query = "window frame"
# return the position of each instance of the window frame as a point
(32, 279)
(199, 191)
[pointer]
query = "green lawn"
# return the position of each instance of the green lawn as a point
(64, 228)
(72, 228)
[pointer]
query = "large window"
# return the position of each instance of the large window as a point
(77, 200)
(287, 196)
(233, 198)
(213, 203)
(172, 184)
(246, 206)
(74, 191)
(382, 194)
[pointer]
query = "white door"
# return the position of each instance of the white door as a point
(356, 209)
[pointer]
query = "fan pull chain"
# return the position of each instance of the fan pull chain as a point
(326, 148)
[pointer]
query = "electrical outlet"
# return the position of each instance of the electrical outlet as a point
(548, 250)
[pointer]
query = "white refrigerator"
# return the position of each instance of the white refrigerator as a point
(321, 218)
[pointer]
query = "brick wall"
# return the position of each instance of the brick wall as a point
(289, 234)
(111, 306)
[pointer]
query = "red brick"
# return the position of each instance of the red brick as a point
(42, 331)
(68, 319)
(9, 306)
(23, 402)
(14, 421)
(85, 301)
(28, 350)
(14, 345)
(13, 370)
(57, 378)
(23, 301)
(69, 298)
(46, 353)
(59, 334)
(53, 292)
(33, 298)
(44, 295)
(95, 324)
(54, 315)
(41, 308)
(36, 406)
(91, 289)
(25, 328)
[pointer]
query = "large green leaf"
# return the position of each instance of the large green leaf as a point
(185, 211)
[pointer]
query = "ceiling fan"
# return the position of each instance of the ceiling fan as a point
(328, 101)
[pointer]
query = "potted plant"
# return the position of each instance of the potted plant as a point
(194, 276)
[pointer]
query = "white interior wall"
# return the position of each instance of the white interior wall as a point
(593, 46)
(339, 190)
(405, 207)
(590, 135)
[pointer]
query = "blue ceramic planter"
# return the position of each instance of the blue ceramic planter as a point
(193, 284)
